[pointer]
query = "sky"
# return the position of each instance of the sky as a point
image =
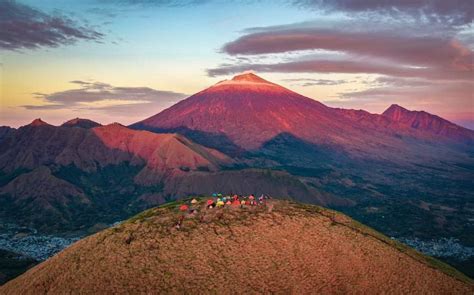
(125, 60)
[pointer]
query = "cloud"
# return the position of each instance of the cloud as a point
(452, 12)
(23, 27)
(305, 82)
(103, 96)
(343, 66)
(165, 3)
(385, 51)
(460, 91)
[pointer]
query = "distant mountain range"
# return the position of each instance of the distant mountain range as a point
(406, 173)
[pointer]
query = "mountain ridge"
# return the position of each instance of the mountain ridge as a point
(421, 120)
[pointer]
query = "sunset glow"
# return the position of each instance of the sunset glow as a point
(349, 56)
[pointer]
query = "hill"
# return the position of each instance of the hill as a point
(278, 247)
(61, 179)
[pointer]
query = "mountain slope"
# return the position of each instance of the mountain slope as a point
(62, 179)
(280, 247)
(249, 111)
(88, 149)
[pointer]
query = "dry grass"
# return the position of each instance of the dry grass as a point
(280, 248)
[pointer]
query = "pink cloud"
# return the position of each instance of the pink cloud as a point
(437, 53)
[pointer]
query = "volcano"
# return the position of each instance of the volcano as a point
(248, 112)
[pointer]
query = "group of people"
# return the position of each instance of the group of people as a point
(218, 201)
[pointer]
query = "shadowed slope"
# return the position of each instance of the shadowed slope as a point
(281, 247)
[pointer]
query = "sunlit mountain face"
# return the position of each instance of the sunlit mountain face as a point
(362, 107)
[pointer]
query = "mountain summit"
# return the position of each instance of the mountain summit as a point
(80, 123)
(248, 81)
(249, 77)
(38, 122)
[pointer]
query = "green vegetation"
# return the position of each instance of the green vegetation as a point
(12, 265)
(112, 193)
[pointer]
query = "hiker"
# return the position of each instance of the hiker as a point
(252, 197)
(180, 222)
(235, 198)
